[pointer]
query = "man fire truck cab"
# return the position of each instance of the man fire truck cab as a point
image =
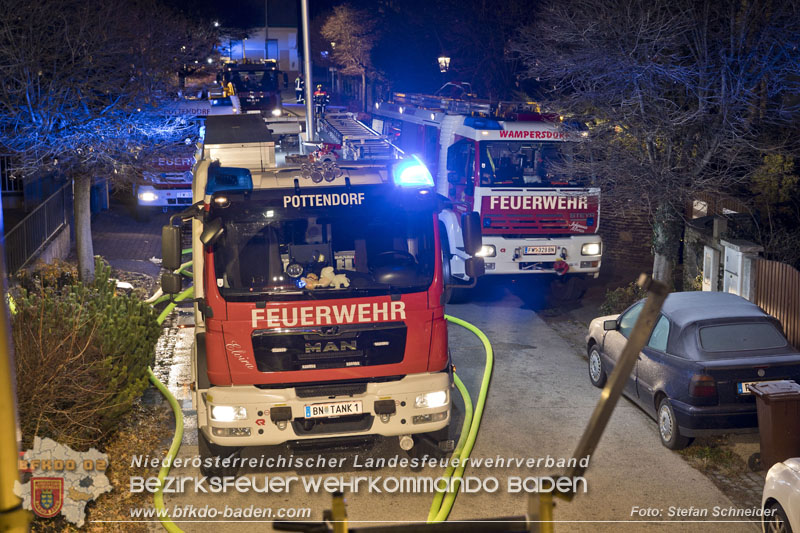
(504, 161)
(319, 304)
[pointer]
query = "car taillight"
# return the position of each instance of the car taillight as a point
(702, 386)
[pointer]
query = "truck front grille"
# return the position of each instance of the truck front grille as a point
(323, 347)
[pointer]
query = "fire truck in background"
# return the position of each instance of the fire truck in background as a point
(168, 180)
(502, 160)
(319, 294)
(257, 83)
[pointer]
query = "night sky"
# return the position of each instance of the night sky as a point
(413, 33)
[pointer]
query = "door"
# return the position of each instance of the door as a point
(615, 341)
(651, 366)
(460, 169)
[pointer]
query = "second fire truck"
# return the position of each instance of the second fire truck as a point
(504, 161)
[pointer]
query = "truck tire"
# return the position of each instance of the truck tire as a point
(567, 289)
(210, 452)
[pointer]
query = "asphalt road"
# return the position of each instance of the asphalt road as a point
(539, 403)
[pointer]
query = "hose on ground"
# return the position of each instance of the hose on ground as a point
(158, 497)
(443, 501)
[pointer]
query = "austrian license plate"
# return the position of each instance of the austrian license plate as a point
(540, 250)
(185, 194)
(744, 387)
(319, 410)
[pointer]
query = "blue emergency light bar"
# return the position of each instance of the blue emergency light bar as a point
(411, 172)
(228, 179)
(482, 123)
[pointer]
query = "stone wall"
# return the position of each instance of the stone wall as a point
(627, 240)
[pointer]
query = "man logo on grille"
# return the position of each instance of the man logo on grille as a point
(341, 346)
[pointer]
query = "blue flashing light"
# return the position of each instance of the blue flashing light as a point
(482, 123)
(228, 179)
(412, 172)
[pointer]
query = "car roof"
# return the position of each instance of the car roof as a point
(683, 308)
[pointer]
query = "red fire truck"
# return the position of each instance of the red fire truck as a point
(503, 160)
(319, 310)
(168, 181)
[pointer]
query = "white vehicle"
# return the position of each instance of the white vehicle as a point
(502, 160)
(781, 498)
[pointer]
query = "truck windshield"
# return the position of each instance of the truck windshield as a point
(381, 250)
(524, 163)
(253, 80)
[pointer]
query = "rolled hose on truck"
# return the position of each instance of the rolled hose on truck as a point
(442, 502)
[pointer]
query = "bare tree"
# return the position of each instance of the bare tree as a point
(353, 32)
(682, 96)
(84, 88)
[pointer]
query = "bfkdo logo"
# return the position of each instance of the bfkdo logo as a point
(47, 496)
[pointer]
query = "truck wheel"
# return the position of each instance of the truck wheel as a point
(212, 455)
(567, 289)
(143, 213)
(442, 442)
(452, 295)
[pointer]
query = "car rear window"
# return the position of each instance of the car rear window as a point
(741, 337)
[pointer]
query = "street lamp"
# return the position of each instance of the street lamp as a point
(444, 63)
(216, 24)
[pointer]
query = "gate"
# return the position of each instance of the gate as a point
(777, 292)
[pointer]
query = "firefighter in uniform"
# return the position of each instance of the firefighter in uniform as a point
(321, 99)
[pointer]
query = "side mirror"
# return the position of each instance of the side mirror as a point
(610, 325)
(170, 283)
(171, 247)
(471, 230)
(475, 267)
(211, 231)
(453, 178)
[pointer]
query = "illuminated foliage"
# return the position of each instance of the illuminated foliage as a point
(684, 96)
(84, 90)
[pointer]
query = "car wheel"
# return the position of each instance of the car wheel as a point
(597, 374)
(777, 521)
(668, 427)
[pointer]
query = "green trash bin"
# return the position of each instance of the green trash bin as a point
(778, 405)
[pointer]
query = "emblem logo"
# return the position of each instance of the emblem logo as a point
(340, 346)
(48, 496)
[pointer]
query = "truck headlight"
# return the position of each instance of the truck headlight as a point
(431, 399)
(276, 112)
(228, 413)
(590, 248)
(148, 196)
(487, 250)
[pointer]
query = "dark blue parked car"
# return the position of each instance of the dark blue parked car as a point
(694, 373)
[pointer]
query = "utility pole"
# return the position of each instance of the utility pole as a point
(266, 29)
(310, 133)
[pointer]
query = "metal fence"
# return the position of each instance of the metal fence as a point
(778, 293)
(25, 239)
(7, 183)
